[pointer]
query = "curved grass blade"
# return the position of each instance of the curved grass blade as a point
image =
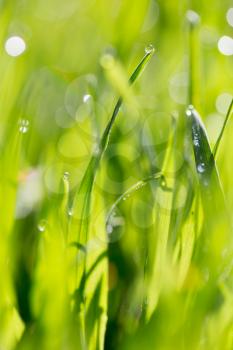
(81, 206)
(79, 228)
(223, 129)
(132, 190)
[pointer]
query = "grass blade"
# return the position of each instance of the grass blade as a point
(79, 228)
(213, 200)
(223, 129)
(82, 208)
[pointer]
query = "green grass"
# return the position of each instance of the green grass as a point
(116, 228)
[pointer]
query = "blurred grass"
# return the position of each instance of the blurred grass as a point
(159, 273)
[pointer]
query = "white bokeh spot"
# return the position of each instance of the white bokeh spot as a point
(229, 16)
(15, 46)
(225, 45)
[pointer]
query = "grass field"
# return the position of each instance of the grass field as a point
(116, 186)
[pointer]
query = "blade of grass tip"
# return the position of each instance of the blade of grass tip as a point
(202, 152)
(149, 52)
(223, 129)
(85, 188)
(213, 199)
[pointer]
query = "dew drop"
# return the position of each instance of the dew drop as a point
(196, 141)
(96, 150)
(86, 98)
(201, 168)
(109, 228)
(193, 17)
(42, 225)
(70, 212)
(114, 227)
(23, 125)
(66, 175)
(149, 48)
(189, 110)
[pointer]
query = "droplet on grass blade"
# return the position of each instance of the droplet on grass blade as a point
(42, 225)
(86, 98)
(96, 149)
(70, 212)
(193, 17)
(66, 175)
(115, 227)
(23, 126)
(149, 49)
(196, 142)
(201, 168)
(78, 95)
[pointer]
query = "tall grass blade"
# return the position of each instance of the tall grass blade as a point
(80, 224)
(213, 200)
(223, 129)
(81, 206)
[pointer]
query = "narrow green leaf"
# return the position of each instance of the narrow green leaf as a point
(223, 129)
(213, 200)
(79, 228)
(205, 164)
(134, 188)
(81, 206)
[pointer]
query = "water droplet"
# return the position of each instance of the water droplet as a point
(201, 168)
(86, 98)
(96, 149)
(15, 46)
(23, 125)
(149, 48)
(193, 17)
(70, 211)
(189, 110)
(66, 175)
(114, 227)
(77, 98)
(196, 141)
(42, 225)
(109, 228)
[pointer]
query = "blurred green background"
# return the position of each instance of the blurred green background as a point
(58, 87)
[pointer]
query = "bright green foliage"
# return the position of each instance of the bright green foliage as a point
(115, 222)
